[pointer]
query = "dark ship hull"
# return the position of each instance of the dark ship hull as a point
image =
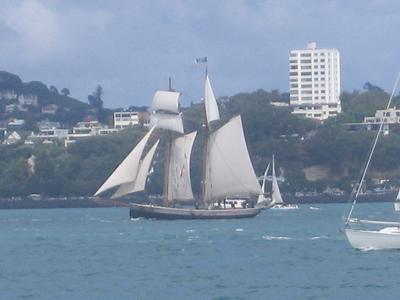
(169, 213)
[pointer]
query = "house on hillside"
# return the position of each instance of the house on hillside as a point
(10, 108)
(8, 95)
(14, 124)
(28, 100)
(12, 138)
(50, 109)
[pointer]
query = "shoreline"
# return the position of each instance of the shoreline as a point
(86, 202)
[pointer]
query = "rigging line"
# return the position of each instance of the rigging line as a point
(372, 151)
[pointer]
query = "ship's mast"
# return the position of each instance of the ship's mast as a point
(168, 145)
(205, 149)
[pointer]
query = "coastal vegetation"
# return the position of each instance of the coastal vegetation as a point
(301, 146)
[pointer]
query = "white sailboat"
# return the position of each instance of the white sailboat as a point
(264, 200)
(397, 202)
(276, 193)
(387, 236)
(227, 168)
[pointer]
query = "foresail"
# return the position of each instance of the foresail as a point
(166, 101)
(127, 170)
(212, 112)
(398, 196)
(179, 183)
(167, 121)
(229, 171)
(140, 182)
(276, 193)
(265, 178)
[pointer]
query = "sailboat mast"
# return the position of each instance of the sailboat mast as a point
(370, 154)
(168, 145)
(205, 149)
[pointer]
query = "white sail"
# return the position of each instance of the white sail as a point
(212, 112)
(397, 202)
(166, 101)
(179, 184)
(265, 178)
(167, 121)
(127, 170)
(229, 171)
(276, 193)
(140, 181)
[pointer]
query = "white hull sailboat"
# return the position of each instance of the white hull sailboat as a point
(227, 168)
(385, 238)
(388, 236)
(276, 200)
(397, 202)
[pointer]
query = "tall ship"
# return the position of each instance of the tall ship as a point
(227, 169)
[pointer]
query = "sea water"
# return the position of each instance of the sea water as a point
(280, 254)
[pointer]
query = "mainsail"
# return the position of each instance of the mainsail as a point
(212, 112)
(228, 168)
(127, 170)
(179, 183)
(276, 193)
(140, 182)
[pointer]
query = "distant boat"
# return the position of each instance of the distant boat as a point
(387, 237)
(227, 170)
(275, 199)
(397, 202)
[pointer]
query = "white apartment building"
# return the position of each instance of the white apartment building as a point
(125, 119)
(315, 82)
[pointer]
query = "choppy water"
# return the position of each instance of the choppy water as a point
(101, 254)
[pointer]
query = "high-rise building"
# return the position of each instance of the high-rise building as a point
(315, 82)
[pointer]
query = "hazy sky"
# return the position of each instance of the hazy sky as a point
(131, 47)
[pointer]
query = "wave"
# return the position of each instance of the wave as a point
(270, 237)
(239, 229)
(314, 208)
(318, 237)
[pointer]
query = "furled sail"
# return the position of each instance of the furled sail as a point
(167, 121)
(212, 112)
(166, 101)
(229, 171)
(179, 184)
(276, 193)
(140, 182)
(127, 170)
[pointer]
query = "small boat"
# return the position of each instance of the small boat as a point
(387, 236)
(397, 202)
(228, 174)
(276, 193)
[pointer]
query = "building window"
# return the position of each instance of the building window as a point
(292, 73)
(306, 86)
(294, 67)
(305, 54)
(305, 61)
(306, 73)
(294, 85)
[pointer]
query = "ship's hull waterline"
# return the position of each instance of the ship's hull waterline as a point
(169, 213)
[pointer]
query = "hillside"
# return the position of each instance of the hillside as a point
(33, 101)
(312, 155)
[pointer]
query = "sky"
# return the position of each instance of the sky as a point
(131, 47)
